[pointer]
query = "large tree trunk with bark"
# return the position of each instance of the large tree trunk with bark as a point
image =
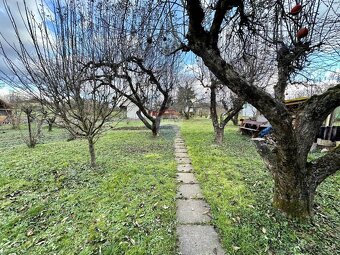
(186, 115)
(156, 126)
(296, 180)
(293, 194)
(218, 127)
(294, 199)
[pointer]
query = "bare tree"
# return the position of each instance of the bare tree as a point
(51, 66)
(249, 60)
(186, 97)
(150, 90)
(136, 55)
(295, 179)
(218, 96)
(34, 131)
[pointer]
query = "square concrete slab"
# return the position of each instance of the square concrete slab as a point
(181, 150)
(183, 160)
(184, 168)
(192, 211)
(181, 147)
(198, 240)
(181, 154)
(188, 178)
(189, 191)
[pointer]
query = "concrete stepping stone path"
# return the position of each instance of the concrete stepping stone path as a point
(195, 234)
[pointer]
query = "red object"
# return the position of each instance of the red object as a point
(303, 32)
(296, 9)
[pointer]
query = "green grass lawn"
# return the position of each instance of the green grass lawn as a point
(239, 189)
(51, 202)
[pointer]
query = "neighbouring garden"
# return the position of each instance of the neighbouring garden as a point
(52, 202)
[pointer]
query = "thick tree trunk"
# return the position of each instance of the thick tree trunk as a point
(293, 199)
(155, 123)
(92, 152)
(156, 126)
(219, 135)
(293, 192)
(50, 125)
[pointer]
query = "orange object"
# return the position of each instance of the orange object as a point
(303, 32)
(296, 9)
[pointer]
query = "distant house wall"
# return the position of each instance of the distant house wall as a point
(131, 110)
(168, 114)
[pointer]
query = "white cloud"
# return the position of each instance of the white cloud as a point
(7, 30)
(4, 91)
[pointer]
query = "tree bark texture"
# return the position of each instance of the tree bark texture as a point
(219, 129)
(219, 135)
(30, 135)
(295, 180)
(156, 126)
(92, 152)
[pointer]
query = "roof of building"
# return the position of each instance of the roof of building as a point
(296, 101)
(4, 105)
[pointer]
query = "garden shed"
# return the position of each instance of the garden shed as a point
(5, 112)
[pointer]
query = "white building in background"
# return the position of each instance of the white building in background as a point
(131, 110)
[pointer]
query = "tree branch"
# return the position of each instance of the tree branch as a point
(230, 114)
(196, 16)
(318, 107)
(324, 166)
(146, 123)
(222, 6)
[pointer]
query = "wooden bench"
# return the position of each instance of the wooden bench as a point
(252, 126)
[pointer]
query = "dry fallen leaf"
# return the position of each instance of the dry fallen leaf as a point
(30, 232)
(236, 248)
